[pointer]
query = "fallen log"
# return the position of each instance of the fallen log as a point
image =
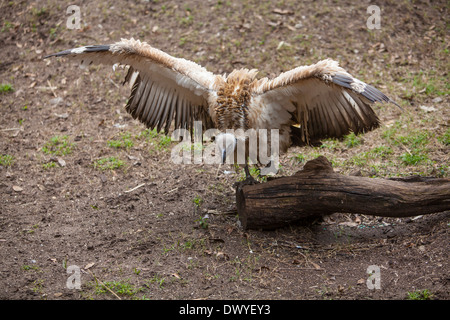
(317, 190)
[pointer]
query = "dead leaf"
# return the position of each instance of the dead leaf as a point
(62, 115)
(221, 256)
(348, 224)
(89, 265)
(282, 12)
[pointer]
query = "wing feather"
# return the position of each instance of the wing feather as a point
(132, 97)
(154, 107)
(159, 108)
(153, 104)
(171, 113)
(179, 110)
(165, 111)
(329, 102)
(152, 69)
(145, 93)
(150, 99)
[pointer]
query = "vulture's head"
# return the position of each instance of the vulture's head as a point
(226, 142)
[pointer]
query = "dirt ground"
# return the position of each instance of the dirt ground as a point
(139, 228)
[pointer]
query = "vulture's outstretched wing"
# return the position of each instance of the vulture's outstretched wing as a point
(163, 88)
(324, 100)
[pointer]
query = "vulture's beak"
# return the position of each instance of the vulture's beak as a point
(224, 155)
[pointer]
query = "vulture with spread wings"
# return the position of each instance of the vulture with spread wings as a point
(306, 104)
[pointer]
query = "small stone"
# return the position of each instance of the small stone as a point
(56, 101)
(17, 188)
(427, 109)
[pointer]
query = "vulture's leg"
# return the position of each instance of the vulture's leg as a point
(248, 177)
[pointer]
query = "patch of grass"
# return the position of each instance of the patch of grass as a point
(6, 87)
(189, 244)
(109, 163)
(413, 141)
(182, 41)
(413, 158)
(124, 141)
(39, 12)
(419, 295)
(331, 144)
(6, 26)
(158, 280)
(255, 172)
(6, 160)
(299, 158)
(168, 249)
(32, 229)
(122, 287)
(358, 160)
(148, 134)
(203, 222)
(445, 138)
(197, 201)
(52, 32)
(186, 21)
(58, 146)
(164, 141)
(442, 170)
(429, 83)
(49, 165)
(28, 267)
(159, 140)
(38, 286)
(416, 141)
(381, 152)
(352, 140)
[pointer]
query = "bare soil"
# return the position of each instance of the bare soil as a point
(140, 229)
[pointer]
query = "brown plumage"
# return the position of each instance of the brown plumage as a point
(306, 104)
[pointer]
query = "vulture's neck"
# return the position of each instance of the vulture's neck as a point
(233, 100)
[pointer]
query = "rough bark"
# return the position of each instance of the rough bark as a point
(317, 190)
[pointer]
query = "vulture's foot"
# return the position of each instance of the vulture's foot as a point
(249, 180)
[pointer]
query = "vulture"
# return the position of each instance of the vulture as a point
(305, 104)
